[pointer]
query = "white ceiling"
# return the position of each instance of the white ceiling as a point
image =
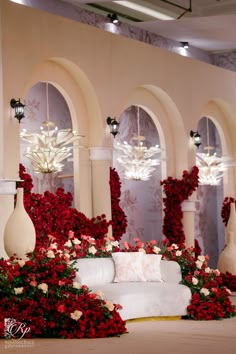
(210, 26)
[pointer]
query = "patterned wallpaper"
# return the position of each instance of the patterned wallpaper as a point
(225, 60)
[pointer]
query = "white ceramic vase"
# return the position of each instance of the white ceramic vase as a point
(227, 259)
(19, 233)
(231, 225)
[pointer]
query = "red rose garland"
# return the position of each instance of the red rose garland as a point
(225, 211)
(228, 278)
(119, 219)
(176, 192)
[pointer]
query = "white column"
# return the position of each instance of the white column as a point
(189, 208)
(100, 170)
(7, 191)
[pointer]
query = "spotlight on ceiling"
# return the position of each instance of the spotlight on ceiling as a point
(113, 18)
(185, 45)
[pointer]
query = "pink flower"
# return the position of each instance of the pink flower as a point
(153, 242)
(126, 245)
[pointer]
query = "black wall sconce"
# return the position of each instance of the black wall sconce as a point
(114, 126)
(19, 109)
(113, 18)
(185, 45)
(196, 138)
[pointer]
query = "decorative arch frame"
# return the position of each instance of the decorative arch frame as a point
(168, 121)
(84, 108)
(221, 114)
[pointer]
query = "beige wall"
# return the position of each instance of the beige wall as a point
(100, 74)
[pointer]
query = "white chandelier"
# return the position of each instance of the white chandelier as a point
(136, 159)
(211, 167)
(49, 147)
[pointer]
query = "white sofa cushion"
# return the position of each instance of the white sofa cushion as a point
(128, 266)
(152, 267)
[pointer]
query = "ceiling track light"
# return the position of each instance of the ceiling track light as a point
(113, 18)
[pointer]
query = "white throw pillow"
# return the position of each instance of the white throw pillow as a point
(152, 267)
(128, 266)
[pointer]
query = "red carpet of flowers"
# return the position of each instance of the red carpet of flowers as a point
(41, 293)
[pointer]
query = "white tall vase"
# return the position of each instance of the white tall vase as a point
(227, 259)
(231, 225)
(19, 233)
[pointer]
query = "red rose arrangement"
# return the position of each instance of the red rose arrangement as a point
(176, 192)
(119, 219)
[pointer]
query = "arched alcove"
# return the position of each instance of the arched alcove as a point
(169, 124)
(86, 118)
(36, 112)
(210, 230)
(209, 227)
(140, 200)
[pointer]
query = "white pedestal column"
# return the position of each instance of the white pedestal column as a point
(189, 208)
(7, 191)
(100, 170)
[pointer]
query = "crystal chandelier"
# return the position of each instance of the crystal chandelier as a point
(136, 160)
(49, 148)
(211, 167)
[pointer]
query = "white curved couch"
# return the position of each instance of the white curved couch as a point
(137, 298)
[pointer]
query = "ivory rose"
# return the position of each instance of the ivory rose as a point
(76, 315)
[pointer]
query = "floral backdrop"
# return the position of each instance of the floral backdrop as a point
(141, 201)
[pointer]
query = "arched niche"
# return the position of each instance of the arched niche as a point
(36, 109)
(209, 224)
(209, 227)
(86, 119)
(169, 124)
(140, 200)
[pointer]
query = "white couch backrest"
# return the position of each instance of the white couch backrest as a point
(171, 272)
(97, 271)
